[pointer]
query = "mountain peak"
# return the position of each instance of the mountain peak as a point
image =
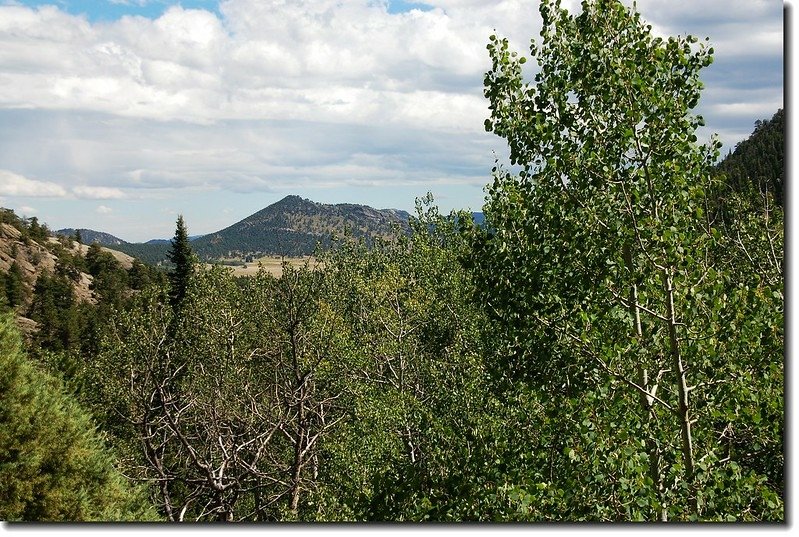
(291, 198)
(295, 225)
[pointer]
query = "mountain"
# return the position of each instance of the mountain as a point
(167, 241)
(89, 236)
(152, 252)
(758, 163)
(294, 226)
(291, 227)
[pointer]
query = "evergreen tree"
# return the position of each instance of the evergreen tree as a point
(139, 275)
(182, 257)
(14, 285)
(110, 278)
(37, 231)
(53, 465)
(77, 238)
(54, 308)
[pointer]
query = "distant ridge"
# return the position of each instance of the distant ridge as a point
(89, 236)
(167, 241)
(294, 226)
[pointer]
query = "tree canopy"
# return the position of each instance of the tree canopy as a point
(605, 269)
(54, 465)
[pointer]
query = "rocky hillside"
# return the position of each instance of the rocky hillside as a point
(28, 252)
(33, 259)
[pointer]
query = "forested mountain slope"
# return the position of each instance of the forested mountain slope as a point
(291, 227)
(47, 280)
(294, 226)
(88, 236)
(758, 163)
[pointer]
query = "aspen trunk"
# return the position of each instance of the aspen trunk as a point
(682, 393)
(645, 400)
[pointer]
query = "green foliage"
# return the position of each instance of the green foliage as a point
(757, 165)
(55, 311)
(141, 276)
(607, 346)
(601, 264)
(14, 286)
(53, 464)
(109, 279)
(182, 259)
(414, 444)
(36, 231)
(7, 216)
(230, 393)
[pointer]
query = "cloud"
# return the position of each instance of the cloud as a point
(350, 62)
(26, 210)
(102, 209)
(270, 96)
(97, 192)
(12, 184)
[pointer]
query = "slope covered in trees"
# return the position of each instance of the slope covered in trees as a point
(88, 236)
(758, 163)
(294, 226)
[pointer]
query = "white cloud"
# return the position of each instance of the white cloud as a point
(102, 209)
(97, 192)
(273, 60)
(268, 95)
(12, 184)
(130, 2)
(27, 211)
(349, 62)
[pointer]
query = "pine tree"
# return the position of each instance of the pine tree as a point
(14, 285)
(54, 466)
(182, 257)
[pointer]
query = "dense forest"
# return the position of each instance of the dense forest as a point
(607, 345)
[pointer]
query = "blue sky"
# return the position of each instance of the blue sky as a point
(109, 10)
(118, 115)
(105, 10)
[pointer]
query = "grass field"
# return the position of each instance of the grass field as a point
(272, 264)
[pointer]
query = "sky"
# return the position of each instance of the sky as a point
(119, 115)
